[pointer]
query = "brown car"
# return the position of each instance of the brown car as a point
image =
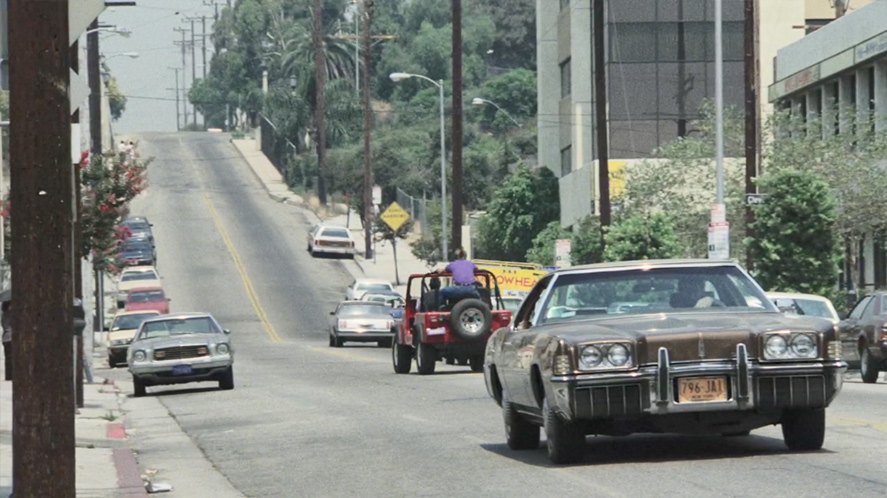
(864, 336)
(699, 350)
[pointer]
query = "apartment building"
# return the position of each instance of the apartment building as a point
(659, 57)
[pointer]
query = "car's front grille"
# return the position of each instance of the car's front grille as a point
(797, 391)
(611, 401)
(179, 352)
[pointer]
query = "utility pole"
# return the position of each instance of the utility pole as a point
(369, 214)
(178, 124)
(456, 154)
(600, 104)
(42, 231)
(320, 100)
(183, 43)
(77, 278)
(193, 65)
(95, 89)
(752, 113)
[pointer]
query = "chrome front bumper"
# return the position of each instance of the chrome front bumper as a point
(161, 371)
(650, 390)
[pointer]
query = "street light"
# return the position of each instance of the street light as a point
(131, 55)
(398, 77)
(480, 101)
(124, 32)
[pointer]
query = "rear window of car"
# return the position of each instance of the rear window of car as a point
(126, 322)
(339, 233)
(178, 326)
(363, 309)
(138, 275)
(144, 296)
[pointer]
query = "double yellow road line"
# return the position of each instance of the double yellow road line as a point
(244, 277)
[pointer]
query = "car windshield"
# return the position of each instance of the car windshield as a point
(145, 296)
(637, 291)
(138, 275)
(339, 233)
(137, 224)
(811, 307)
(373, 287)
(177, 326)
(363, 310)
(125, 322)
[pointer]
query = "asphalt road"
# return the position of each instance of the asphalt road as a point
(308, 420)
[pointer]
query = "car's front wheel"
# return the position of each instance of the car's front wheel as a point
(521, 435)
(803, 429)
(565, 439)
(426, 357)
(227, 380)
(401, 357)
(138, 387)
(867, 367)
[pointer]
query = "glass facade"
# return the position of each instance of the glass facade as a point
(660, 58)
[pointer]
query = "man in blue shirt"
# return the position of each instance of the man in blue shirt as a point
(463, 277)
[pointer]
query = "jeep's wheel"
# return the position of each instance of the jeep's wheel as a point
(477, 362)
(138, 387)
(401, 357)
(426, 357)
(867, 367)
(471, 319)
(565, 440)
(521, 435)
(803, 429)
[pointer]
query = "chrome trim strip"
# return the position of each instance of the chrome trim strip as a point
(741, 372)
(662, 383)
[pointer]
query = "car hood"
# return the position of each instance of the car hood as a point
(116, 335)
(133, 284)
(182, 340)
(687, 336)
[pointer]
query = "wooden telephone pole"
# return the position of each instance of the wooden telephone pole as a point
(369, 214)
(456, 155)
(42, 234)
(320, 100)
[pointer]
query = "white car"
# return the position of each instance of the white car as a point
(133, 277)
(330, 239)
(363, 286)
(793, 303)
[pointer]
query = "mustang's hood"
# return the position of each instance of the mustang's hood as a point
(181, 340)
(687, 336)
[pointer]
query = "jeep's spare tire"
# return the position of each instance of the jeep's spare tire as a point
(471, 319)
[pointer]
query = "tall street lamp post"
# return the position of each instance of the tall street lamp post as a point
(480, 101)
(397, 77)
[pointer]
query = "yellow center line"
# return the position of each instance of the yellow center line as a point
(856, 422)
(238, 263)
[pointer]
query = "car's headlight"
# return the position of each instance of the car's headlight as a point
(139, 355)
(796, 346)
(222, 348)
(604, 356)
(120, 342)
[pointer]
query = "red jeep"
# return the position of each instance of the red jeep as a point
(454, 330)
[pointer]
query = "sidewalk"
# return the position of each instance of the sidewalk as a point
(380, 266)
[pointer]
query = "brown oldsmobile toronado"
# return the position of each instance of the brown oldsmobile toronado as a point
(683, 346)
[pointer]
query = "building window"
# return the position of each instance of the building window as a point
(565, 4)
(566, 160)
(565, 79)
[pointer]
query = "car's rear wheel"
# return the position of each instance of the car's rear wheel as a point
(476, 361)
(867, 367)
(803, 429)
(227, 380)
(521, 435)
(111, 362)
(138, 387)
(426, 357)
(471, 319)
(565, 439)
(401, 357)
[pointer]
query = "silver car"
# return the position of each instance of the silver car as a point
(362, 321)
(181, 348)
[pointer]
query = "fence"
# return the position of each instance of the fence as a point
(418, 209)
(276, 147)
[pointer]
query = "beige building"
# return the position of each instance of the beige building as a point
(660, 68)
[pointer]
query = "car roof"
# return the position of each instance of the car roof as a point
(135, 219)
(372, 281)
(137, 312)
(181, 316)
(649, 264)
(796, 295)
(355, 302)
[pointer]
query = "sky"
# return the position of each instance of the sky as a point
(147, 81)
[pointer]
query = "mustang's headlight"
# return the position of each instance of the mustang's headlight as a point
(604, 356)
(222, 348)
(139, 355)
(797, 346)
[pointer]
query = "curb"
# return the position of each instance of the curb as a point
(129, 477)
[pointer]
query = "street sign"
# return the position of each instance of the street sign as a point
(719, 240)
(753, 199)
(394, 216)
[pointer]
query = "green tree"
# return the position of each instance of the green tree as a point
(542, 251)
(586, 245)
(524, 204)
(116, 99)
(795, 247)
(514, 92)
(642, 237)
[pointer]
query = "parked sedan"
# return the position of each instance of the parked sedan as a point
(793, 303)
(133, 277)
(864, 336)
(708, 354)
(181, 348)
(138, 253)
(139, 228)
(362, 286)
(123, 329)
(330, 239)
(147, 298)
(361, 321)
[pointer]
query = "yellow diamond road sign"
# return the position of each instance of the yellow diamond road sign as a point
(395, 216)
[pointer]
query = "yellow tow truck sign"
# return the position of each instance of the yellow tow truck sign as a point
(514, 278)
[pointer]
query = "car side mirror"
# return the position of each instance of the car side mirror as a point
(226, 331)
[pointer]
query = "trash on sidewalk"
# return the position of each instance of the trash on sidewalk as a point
(157, 487)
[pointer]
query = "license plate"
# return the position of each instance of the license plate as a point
(181, 370)
(696, 389)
